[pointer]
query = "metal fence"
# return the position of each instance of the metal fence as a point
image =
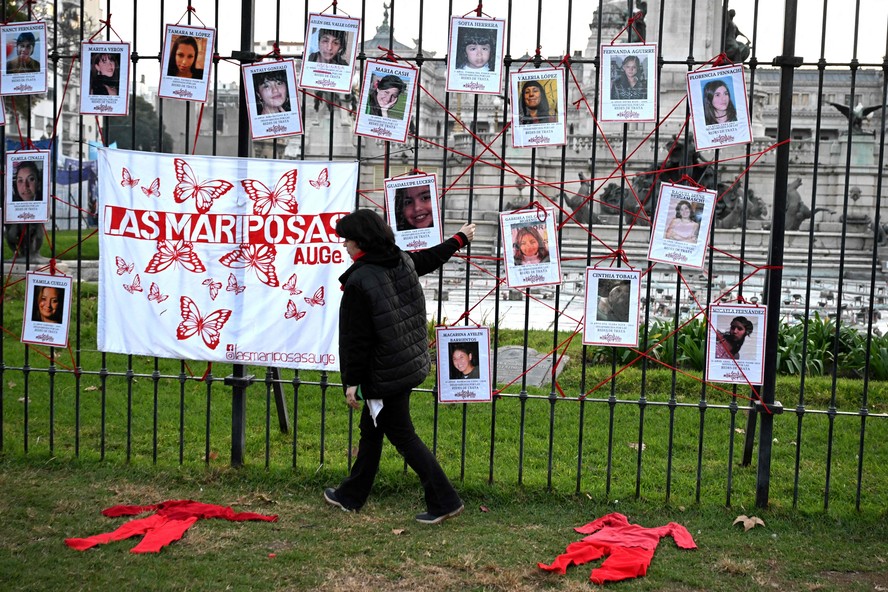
(617, 421)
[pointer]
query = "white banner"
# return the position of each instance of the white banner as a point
(222, 259)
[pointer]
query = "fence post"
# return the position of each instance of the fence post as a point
(774, 279)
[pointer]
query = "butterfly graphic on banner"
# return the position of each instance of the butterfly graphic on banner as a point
(214, 287)
(282, 197)
(209, 327)
(203, 192)
(172, 253)
(259, 258)
(292, 313)
(318, 298)
(126, 179)
(153, 190)
(322, 181)
(136, 286)
(154, 294)
(290, 286)
(233, 286)
(122, 266)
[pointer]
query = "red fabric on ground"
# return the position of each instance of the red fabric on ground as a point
(169, 524)
(629, 548)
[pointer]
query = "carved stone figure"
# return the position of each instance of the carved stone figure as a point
(736, 50)
(857, 114)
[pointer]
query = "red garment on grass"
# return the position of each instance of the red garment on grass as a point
(629, 548)
(169, 524)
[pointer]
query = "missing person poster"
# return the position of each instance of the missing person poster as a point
(24, 59)
(612, 297)
(330, 49)
(104, 83)
(463, 364)
(412, 211)
(681, 225)
(386, 101)
(270, 89)
(538, 108)
(27, 185)
(628, 82)
(531, 248)
(719, 107)
(475, 57)
(736, 343)
(186, 61)
(47, 309)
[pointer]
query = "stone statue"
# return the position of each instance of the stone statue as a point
(857, 114)
(729, 209)
(736, 50)
(639, 27)
(27, 245)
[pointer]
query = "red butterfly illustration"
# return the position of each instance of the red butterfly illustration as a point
(318, 298)
(192, 323)
(322, 180)
(154, 294)
(258, 257)
(127, 179)
(173, 252)
(122, 266)
(233, 285)
(265, 199)
(136, 286)
(290, 286)
(214, 287)
(292, 312)
(203, 193)
(153, 190)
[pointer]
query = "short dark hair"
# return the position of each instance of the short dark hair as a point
(26, 37)
(747, 324)
(367, 229)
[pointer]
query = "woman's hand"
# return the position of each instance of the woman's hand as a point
(351, 397)
(469, 231)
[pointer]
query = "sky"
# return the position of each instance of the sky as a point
(873, 17)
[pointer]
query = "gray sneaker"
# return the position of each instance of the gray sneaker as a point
(330, 498)
(427, 518)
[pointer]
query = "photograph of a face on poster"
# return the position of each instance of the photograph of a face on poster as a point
(611, 307)
(681, 225)
(271, 94)
(719, 107)
(412, 208)
(475, 57)
(24, 59)
(27, 186)
(104, 85)
(47, 309)
(187, 59)
(330, 48)
(538, 108)
(386, 101)
(735, 344)
(463, 364)
(628, 82)
(531, 252)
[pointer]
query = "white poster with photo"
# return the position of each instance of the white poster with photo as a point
(330, 49)
(187, 59)
(475, 56)
(531, 248)
(412, 211)
(104, 83)
(681, 225)
(24, 59)
(27, 187)
(270, 89)
(628, 82)
(386, 101)
(47, 309)
(719, 107)
(463, 364)
(611, 306)
(736, 343)
(538, 108)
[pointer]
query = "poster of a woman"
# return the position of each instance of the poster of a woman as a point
(104, 86)
(187, 60)
(47, 309)
(386, 101)
(271, 94)
(628, 82)
(331, 44)
(24, 58)
(538, 108)
(681, 225)
(719, 107)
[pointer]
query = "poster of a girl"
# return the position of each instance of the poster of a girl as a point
(718, 107)
(384, 96)
(529, 247)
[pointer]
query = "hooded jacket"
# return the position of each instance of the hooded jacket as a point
(383, 334)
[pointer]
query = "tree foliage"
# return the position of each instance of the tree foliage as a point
(143, 118)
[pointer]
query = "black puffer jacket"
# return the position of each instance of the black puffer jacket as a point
(383, 339)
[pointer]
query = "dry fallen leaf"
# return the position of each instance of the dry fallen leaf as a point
(91, 388)
(397, 531)
(748, 521)
(484, 509)
(634, 445)
(11, 384)
(740, 430)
